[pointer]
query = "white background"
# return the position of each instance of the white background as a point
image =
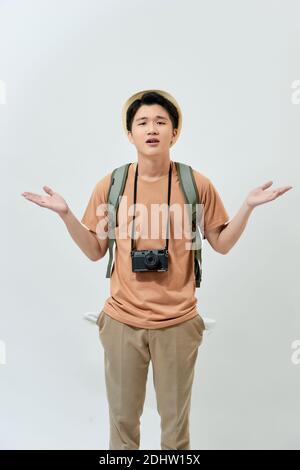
(68, 67)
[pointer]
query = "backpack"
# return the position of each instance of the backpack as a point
(190, 191)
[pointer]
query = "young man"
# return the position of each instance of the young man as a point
(152, 315)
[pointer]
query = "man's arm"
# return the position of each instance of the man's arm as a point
(224, 238)
(87, 241)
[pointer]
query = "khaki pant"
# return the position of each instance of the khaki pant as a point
(128, 350)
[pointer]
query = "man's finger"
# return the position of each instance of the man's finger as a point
(285, 189)
(29, 194)
(267, 184)
(48, 190)
(35, 201)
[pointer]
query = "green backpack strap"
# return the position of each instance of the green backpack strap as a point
(116, 189)
(190, 191)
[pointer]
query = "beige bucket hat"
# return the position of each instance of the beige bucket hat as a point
(166, 95)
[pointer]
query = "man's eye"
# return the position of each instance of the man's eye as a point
(159, 122)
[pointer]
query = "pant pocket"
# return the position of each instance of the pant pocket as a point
(200, 326)
(200, 319)
(100, 316)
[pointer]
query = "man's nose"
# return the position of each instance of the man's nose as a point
(152, 127)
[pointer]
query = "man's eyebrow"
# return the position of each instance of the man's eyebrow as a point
(145, 117)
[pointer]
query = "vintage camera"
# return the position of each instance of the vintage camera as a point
(149, 260)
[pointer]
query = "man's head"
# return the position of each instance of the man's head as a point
(151, 114)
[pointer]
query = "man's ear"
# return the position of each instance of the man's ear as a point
(130, 136)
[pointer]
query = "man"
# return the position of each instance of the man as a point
(152, 315)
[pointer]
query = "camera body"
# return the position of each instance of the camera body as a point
(150, 260)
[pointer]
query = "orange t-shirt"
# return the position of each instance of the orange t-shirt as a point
(153, 299)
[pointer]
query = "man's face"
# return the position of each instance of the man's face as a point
(152, 122)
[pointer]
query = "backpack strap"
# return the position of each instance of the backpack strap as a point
(116, 189)
(190, 191)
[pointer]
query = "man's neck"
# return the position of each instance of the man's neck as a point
(153, 168)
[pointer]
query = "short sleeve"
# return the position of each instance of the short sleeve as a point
(94, 212)
(214, 212)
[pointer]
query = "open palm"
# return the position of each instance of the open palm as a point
(260, 196)
(53, 201)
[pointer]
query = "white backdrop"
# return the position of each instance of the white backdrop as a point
(66, 68)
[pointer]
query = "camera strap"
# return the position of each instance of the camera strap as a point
(134, 203)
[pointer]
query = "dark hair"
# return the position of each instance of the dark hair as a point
(148, 98)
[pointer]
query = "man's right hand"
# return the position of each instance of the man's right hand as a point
(54, 201)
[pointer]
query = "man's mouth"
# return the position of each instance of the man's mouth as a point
(152, 141)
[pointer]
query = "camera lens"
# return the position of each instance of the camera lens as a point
(151, 260)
